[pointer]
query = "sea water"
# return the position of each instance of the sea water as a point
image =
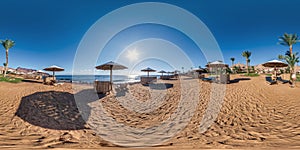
(92, 78)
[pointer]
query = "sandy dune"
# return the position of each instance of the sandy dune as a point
(252, 115)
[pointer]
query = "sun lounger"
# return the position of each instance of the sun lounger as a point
(168, 77)
(282, 81)
(209, 79)
(165, 77)
(270, 81)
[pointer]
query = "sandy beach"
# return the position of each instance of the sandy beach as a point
(252, 115)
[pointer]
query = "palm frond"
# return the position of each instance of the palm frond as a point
(292, 60)
(288, 39)
(246, 54)
(288, 53)
(7, 44)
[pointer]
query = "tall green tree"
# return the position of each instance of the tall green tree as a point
(292, 60)
(247, 54)
(249, 66)
(7, 44)
(289, 40)
(232, 60)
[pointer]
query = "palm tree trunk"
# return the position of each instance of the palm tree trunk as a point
(291, 49)
(292, 67)
(291, 75)
(247, 66)
(6, 63)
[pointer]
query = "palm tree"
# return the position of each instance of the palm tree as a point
(291, 61)
(289, 40)
(7, 44)
(232, 60)
(281, 57)
(249, 66)
(247, 54)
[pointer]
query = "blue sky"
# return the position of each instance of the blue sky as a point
(48, 32)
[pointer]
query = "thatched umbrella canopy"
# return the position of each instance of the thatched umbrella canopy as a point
(148, 70)
(54, 69)
(199, 70)
(162, 72)
(111, 66)
(274, 64)
(176, 71)
(217, 64)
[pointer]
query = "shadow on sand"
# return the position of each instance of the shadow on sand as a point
(32, 81)
(160, 86)
(121, 90)
(237, 80)
(55, 110)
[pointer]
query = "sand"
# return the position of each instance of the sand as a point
(253, 114)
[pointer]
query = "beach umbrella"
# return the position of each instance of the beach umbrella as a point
(176, 71)
(218, 64)
(148, 70)
(216, 67)
(111, 66)
(162, 72)
(40, 71)
(54, 69)
(169, 72)
(198, 69)
(274, 64)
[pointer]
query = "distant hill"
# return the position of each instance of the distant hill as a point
(25, 70)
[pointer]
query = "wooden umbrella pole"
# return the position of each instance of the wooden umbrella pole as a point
(275, 73)
(148, 73)
(111, 78)
(53, 75)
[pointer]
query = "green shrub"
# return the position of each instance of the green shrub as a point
(251, 74)
(268, 75)
(9, 79)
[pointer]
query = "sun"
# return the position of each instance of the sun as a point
(132, 54)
